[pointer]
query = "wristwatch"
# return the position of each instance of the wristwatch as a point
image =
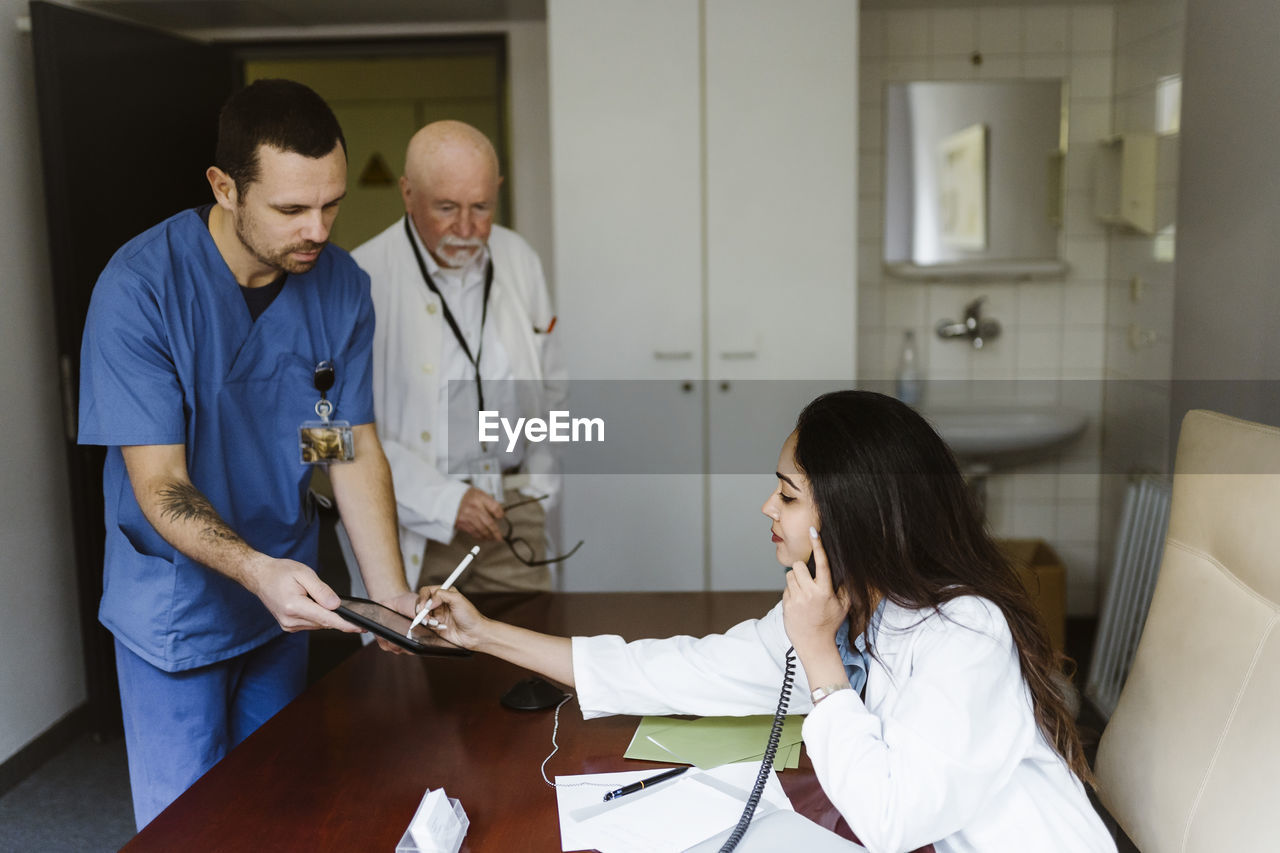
(820, 693)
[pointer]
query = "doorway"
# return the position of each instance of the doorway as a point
(381, 95)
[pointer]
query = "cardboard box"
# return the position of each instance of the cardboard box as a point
(1045, 578)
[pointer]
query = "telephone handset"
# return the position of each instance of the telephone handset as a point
(770, 750)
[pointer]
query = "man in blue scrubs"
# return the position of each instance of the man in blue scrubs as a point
(199, 364)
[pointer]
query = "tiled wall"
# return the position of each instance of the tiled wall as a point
(1140, 272)
(1052, 330)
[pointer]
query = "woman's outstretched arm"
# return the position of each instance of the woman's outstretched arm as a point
(730, 674)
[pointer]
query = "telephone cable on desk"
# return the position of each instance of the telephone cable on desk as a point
(770, 750)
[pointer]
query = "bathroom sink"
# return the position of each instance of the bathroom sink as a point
(1004, 436)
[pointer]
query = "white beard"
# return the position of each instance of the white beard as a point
(457, 253)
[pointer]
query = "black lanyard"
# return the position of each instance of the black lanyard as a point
(448, 315)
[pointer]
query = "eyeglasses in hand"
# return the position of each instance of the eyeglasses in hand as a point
(520, 547)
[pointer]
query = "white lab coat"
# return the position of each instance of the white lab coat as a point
(408, 362)
(945, 749)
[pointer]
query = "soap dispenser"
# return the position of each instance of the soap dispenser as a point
(909, 389)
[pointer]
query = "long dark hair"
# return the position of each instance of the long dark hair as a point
(899, 522)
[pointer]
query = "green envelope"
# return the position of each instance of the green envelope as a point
(643, 749)
(712, 741)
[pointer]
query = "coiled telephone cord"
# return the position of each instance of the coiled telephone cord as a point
(770, 750)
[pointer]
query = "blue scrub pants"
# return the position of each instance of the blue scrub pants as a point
(179, 724)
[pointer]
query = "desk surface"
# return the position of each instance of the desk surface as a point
(344, 766)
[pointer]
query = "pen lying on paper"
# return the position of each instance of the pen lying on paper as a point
(453, 576)
(645, 783)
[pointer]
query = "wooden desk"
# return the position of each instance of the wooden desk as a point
(345, 765)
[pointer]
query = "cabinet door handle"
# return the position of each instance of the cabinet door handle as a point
(738, 355)
(673, 355)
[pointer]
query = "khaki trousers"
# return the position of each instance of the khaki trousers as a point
(495, 568)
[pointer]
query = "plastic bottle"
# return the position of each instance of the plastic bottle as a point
(909, 388)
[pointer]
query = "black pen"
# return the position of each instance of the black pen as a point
(644, 783)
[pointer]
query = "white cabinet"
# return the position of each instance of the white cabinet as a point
(703, 166)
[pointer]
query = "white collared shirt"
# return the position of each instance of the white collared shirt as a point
(463, 291)
(409, 364)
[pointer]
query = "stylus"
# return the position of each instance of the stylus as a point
(453, 576)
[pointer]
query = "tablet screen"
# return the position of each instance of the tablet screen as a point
(390, 625)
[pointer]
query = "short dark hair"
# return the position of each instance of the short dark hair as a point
(280, 113)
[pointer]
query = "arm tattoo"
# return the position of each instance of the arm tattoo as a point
(182, 502)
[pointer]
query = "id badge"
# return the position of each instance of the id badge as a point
(325, 441)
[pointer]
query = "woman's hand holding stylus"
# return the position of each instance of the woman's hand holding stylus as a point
(452, 616)
(458, 621)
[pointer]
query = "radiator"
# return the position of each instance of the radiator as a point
(1144, 522)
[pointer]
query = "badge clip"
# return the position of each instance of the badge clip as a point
(325, 440)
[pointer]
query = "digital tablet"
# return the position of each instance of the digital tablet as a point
(391, 626)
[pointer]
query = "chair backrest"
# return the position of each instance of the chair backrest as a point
(1191, 757)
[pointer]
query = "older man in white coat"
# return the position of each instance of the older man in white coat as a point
(464, 322)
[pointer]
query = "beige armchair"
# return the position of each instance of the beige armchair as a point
(1190, 760)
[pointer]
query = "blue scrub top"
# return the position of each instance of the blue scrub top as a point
(171, 356)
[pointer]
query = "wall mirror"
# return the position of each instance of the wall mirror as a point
(973, 179)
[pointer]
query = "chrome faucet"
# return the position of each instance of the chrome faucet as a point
(975, 327)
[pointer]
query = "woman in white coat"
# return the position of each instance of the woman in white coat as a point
(942, 721)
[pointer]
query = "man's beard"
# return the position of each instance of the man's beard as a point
(449, 256)
(278, 260)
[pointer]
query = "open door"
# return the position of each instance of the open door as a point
(128, 124)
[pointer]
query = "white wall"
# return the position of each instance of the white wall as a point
(531, 139)
(1226, 351)
(1149, 39)
(1052, 330)
(41, 669)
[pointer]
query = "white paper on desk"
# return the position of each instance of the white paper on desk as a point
(670, 817)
